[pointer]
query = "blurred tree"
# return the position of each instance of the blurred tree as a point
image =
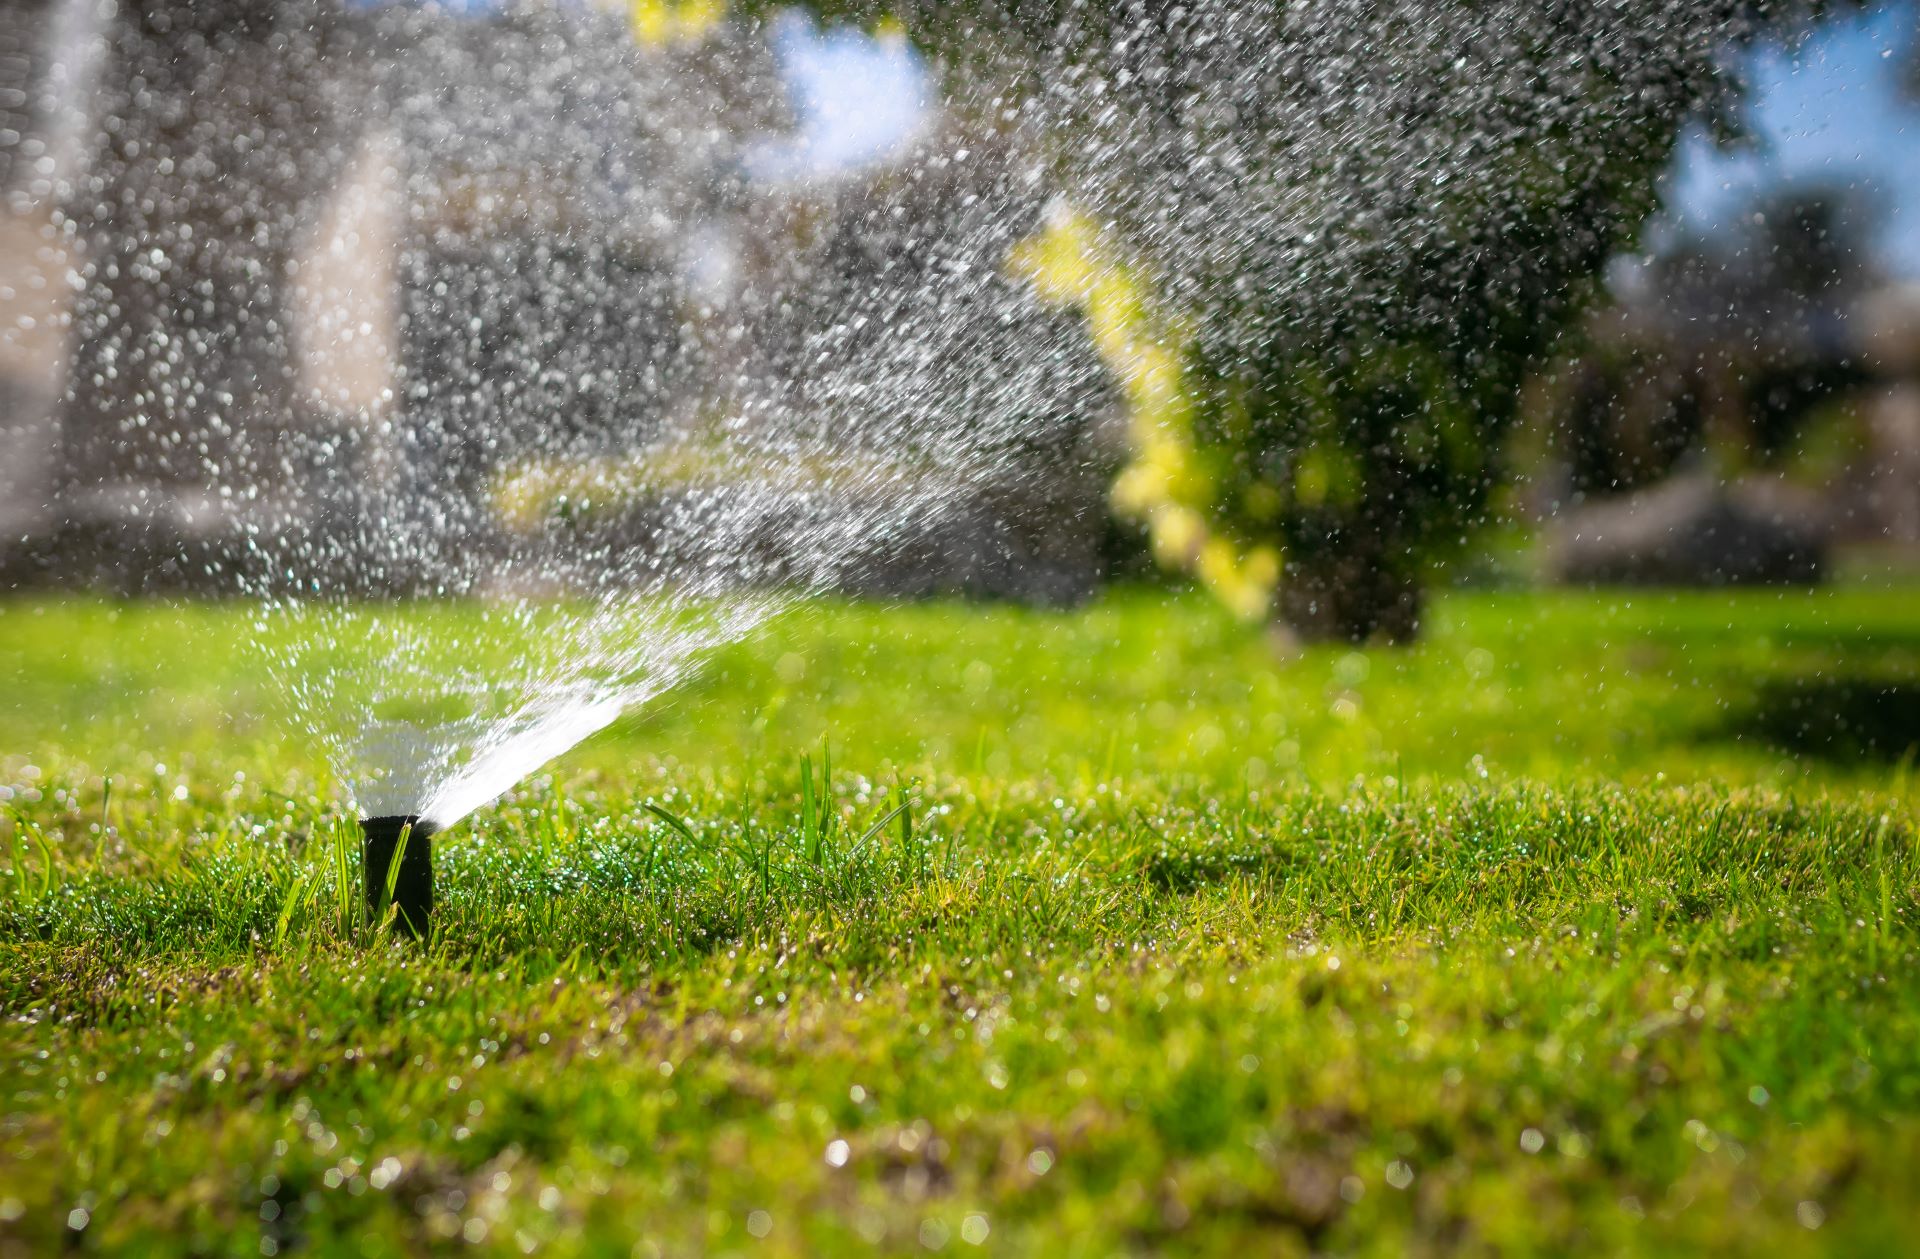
(214, 125)
(1333, 239)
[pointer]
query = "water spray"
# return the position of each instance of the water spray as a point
(487, 385)
(398, 850)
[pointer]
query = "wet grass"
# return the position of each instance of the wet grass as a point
(1103, 932)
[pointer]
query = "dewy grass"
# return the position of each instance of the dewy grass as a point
(1532, 941)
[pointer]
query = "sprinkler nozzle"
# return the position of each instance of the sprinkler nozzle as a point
(412, 894)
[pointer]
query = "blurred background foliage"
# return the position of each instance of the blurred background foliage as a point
(1361, 429)
(1468, 306)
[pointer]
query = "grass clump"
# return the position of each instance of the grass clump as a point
(1537, 942)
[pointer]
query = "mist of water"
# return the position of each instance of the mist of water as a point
(529, 363)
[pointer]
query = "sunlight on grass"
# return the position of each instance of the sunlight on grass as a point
(1085, 932)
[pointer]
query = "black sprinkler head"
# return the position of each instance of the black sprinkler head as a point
(413, 877)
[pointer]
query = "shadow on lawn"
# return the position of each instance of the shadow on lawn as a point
(1844, 719)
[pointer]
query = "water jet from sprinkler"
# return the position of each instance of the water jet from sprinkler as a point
(410, 837)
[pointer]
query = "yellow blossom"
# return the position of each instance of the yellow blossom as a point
(657, 23)
(1164, 483)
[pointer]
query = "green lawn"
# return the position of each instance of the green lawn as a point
(1587, 926)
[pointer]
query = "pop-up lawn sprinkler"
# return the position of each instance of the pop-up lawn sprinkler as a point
(412, 891)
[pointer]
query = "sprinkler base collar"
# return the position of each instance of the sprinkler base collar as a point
(412, 880)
